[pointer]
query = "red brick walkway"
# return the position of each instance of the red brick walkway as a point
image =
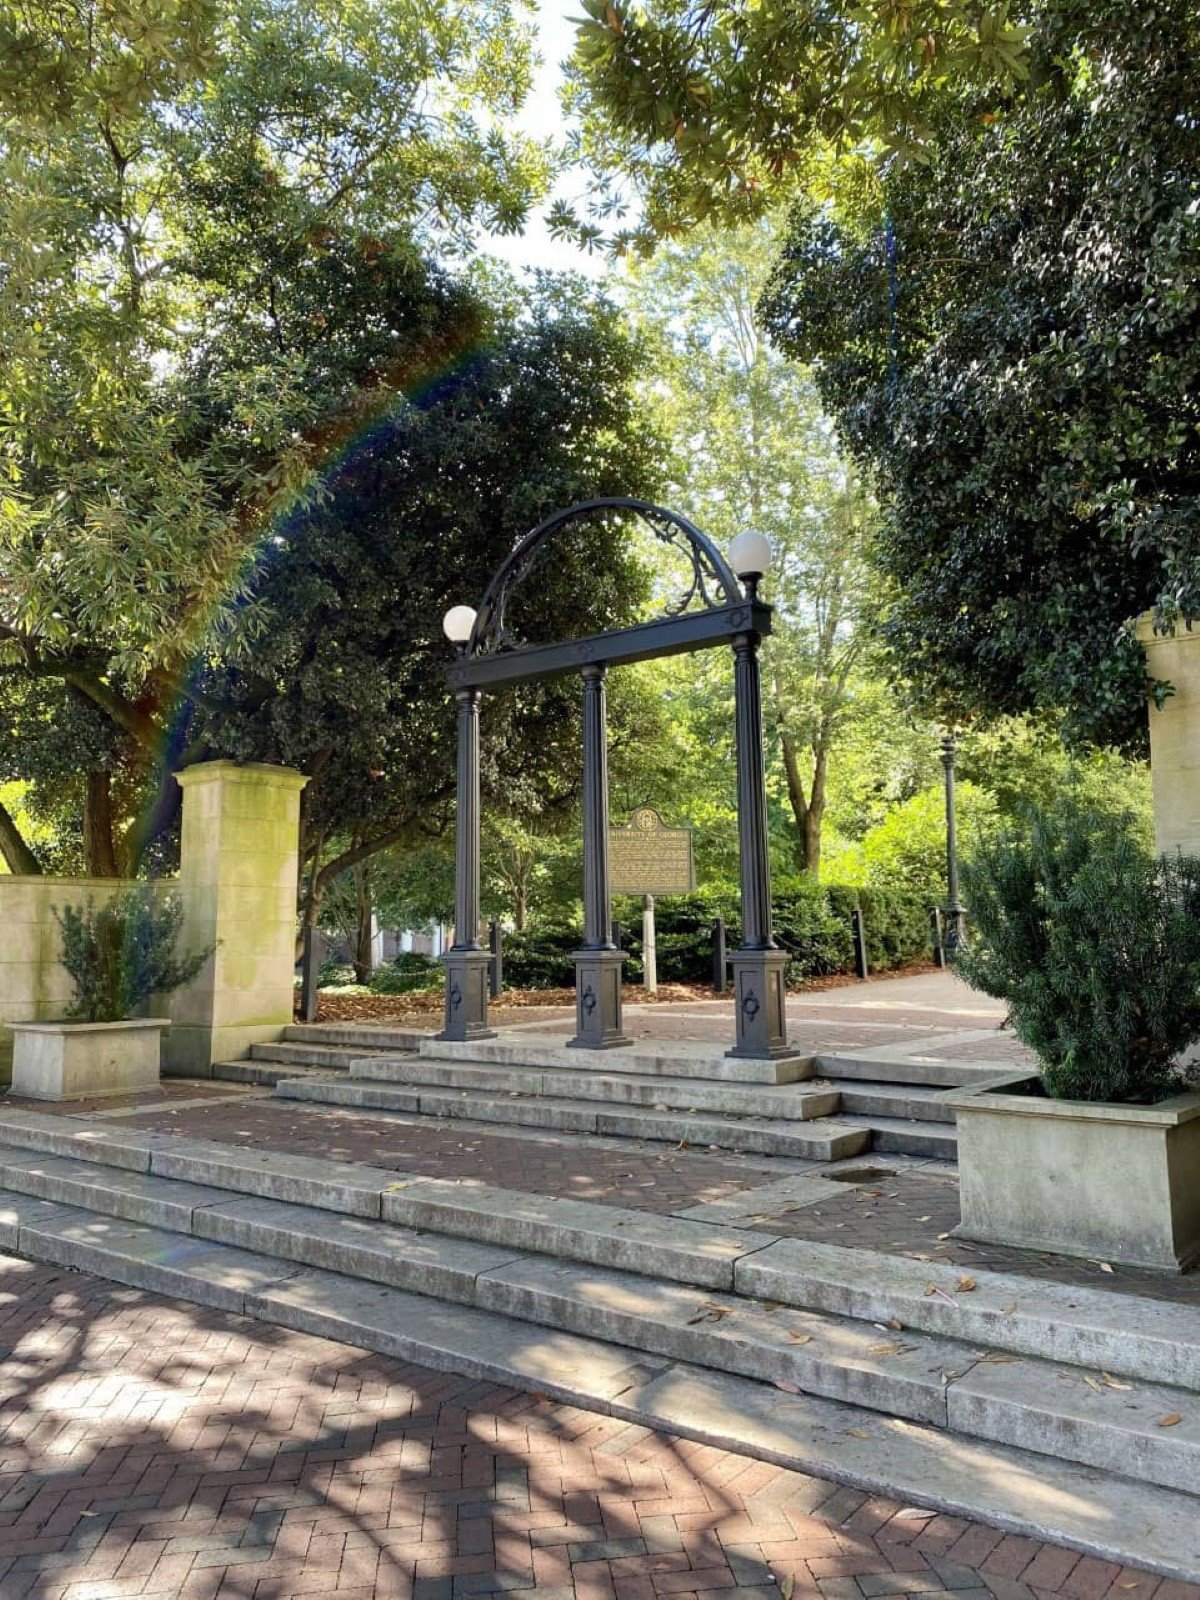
(650, 1176)
(149, 1448)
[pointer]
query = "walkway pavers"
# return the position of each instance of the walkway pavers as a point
(652, 1177)
(149, 1448)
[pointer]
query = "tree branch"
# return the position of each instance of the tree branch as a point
(20, 858)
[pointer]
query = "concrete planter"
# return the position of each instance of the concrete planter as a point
(1115, 1183)
(82, 1060)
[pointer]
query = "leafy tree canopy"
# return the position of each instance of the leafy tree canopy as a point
(340, 669)
(715, 112)
(753, 449)
(213, 215)
(1010, 338)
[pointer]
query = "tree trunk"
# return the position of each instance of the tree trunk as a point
(156, 820)
(808, 809)
(17, 854)
(522, 906)
(815, 817)
(363, 954)
(99, 847)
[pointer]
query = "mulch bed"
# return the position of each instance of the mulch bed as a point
(421, 1008)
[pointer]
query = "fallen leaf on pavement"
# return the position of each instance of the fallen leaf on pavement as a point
(965, 1285)
(1170, 1420)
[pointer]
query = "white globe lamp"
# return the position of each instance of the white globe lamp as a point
(458, 624)
(750, 557)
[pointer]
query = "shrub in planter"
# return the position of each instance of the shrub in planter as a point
(1095, 946)
(121, 954)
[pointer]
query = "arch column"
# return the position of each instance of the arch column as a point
(760, 1015)
(598, 964)
(466, 960)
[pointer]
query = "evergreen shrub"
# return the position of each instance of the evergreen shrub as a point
(409, 973)
(812, 923)
(121, 954)
(1094, 943)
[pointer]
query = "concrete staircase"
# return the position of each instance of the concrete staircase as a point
(1022, 1401)
(674, 1094)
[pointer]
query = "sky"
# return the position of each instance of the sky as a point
(542, 117)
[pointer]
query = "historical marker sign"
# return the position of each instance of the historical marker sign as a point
(647, 857)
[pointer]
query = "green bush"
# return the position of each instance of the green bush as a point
(409, 973)
(541, 958)
(1095, 946)
(121, 954)
(812, 923)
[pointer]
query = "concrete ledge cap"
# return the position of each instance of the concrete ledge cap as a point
(67, 1025)
(259, 773)
(992, 1098)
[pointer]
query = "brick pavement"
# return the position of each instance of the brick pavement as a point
(650, 1176)
(150, 1448)
(910, 1213)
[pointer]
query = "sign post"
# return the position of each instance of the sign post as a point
(649, 953)
(648, 859)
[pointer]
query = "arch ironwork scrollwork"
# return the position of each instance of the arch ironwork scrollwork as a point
(710, 582)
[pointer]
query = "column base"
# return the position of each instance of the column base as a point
(598, 1000)
(758, 999)
(466, 996)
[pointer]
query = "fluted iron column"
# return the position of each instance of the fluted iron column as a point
(758, 963)
(466, 961)
(598, 964)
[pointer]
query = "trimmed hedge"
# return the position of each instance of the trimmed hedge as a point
(812, 923)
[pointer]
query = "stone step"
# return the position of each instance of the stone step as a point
(899, 1102)
(798, 1101)
(360, 1036)
(891, 1135)
(647, 1058)
(264, 1074)
(1146, 1340)
(822, 1140)
(916, 1070)
(1026, 1491)
(312, 1054)
(1098, 1329)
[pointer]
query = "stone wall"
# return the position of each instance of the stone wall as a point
(1175, 737)
(237, 881)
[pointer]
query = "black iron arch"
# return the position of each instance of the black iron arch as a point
(712, 584)
(714, 608)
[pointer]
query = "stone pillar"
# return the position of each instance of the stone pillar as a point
(598, 964)
(237, 880)
(466, 962)
(760, 1017)
(1175, 736)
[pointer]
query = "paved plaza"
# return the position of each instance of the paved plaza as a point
(157, 1449)
(161, 1448)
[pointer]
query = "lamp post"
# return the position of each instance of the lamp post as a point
(758, 962)
(955, 911)
(466, 960)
